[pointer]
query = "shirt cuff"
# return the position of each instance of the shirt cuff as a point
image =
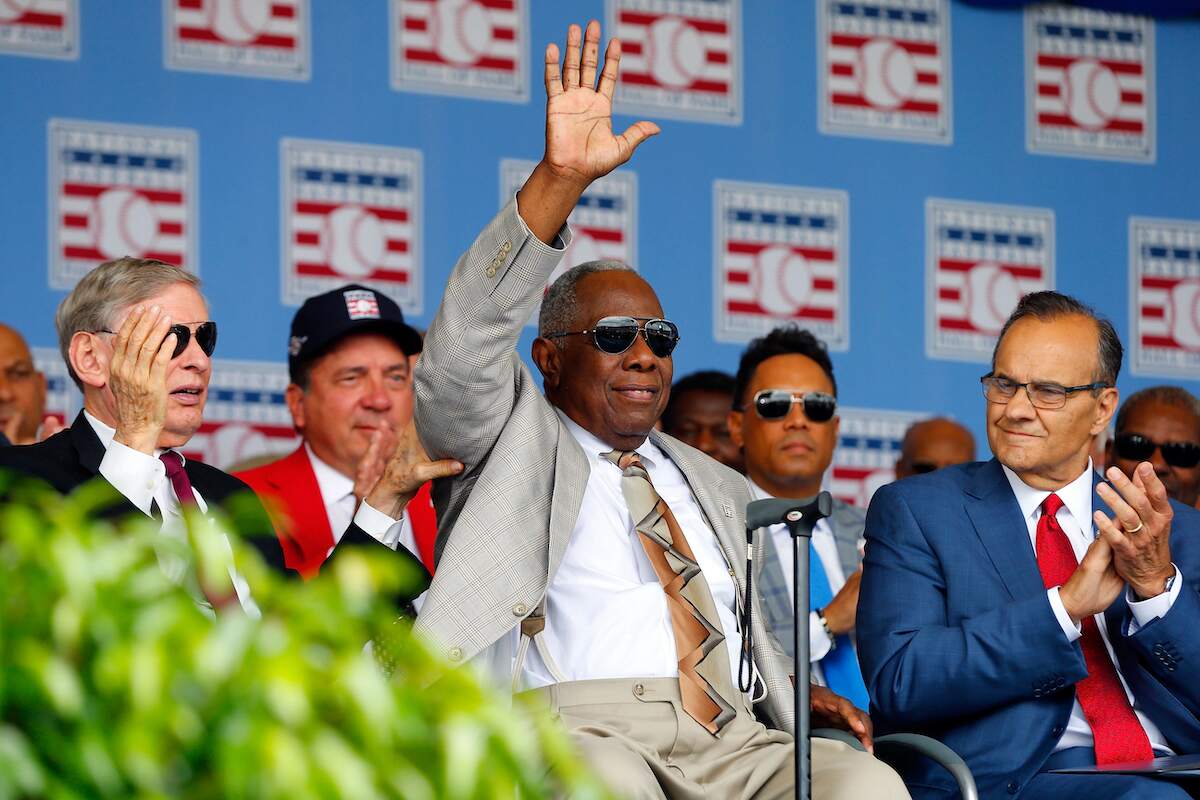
(1069, 628)
(133, 473)
(561, 239)
(819, 643)
(1146, 611)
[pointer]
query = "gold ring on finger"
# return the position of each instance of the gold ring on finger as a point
(1134, 530)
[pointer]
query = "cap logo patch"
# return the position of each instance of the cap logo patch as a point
(361, 304)
(295, 345)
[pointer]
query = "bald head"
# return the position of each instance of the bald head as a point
(932, 444)
(22, 389)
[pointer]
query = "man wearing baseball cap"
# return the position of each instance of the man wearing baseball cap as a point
(350, 398)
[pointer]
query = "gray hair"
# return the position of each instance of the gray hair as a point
(1049, 305)
(1175, 396)
(560, 306)
(106, 291)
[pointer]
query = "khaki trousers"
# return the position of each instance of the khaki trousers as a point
(636, 736)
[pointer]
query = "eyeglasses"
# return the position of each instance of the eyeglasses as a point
(1135, 447)
(998, 389)
(206, 337)
(776, 403)
(615, 335)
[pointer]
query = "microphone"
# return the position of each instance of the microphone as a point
(762, 513)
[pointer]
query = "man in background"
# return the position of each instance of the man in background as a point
(786, 425)
(931, 444)
(22, 393)
(349, 359)
(698, 414)
(1160, 425)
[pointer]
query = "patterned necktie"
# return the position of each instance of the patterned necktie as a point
(840, 665)
(704, 683)
(1118, 734)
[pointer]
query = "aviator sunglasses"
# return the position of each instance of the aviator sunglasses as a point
(206, 337)
(615, 335)
(1135, 447)
(776, 403)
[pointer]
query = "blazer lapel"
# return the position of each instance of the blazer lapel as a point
(994, 513)
(87, 444)
(571, 471)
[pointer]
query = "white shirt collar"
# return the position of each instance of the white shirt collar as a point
(333, 484)
(106, 433)
(1076, 496)
(594, 447)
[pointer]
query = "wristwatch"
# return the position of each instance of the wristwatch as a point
(1166, 587)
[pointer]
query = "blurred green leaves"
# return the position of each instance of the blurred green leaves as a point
(116, 682)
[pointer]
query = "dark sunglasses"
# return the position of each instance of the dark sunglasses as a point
(1135, 447)
(615, 335)
(206, 337)
(776, 403)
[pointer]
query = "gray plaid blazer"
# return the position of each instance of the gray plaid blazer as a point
(503, 524)
(847, 523)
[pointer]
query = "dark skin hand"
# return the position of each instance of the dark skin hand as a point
(833, 711)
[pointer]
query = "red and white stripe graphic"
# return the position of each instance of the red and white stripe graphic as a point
(39, 14)
(48, 28)
(884, 73)
(351, 241)
(1164, 277)
(978, 296)
(868, 446)
(271, 24)
(245, 416)
(679, 52)
(781, 281)
(99, 222)
(480, 34)
(1169, 312)
(228, 444)
(1093, 94)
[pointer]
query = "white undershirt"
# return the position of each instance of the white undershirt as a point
(142, 480)
(1077, 507)
(606, 613)
(819, 643)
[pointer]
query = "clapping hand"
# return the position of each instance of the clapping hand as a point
(407, 470)
(1139, 531)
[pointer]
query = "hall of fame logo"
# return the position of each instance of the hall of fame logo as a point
(980, 260)
(46, 28)
(603, 224)
(1089, 83)
(245, 416)
(1164, 297)
(679, 58)
(63, 400)
(780, 254)
(118, 190)
(476, 48)
(867, 448)
(261, 38)
(885, 68)
(351, 214)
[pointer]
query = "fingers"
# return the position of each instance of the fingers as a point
(50, 426)
(121, 340)
(571, 62)
(432, 470)
(612, 63)
(634, 135)
(158, 367)
(1129, 505)
(1146, 479)
(591, 55)
(553, 75)
(1111, 539)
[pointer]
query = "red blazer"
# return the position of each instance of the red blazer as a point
(288, 488)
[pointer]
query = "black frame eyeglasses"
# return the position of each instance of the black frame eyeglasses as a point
(206, 337)
(615, 335)
(1135, 447)
(776, 404)
(1042, 394)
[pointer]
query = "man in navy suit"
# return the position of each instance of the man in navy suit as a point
(1023, 611)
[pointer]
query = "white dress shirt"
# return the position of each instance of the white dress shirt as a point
(142, 480)
(337, 494)
(1075, 518)
(819, 642)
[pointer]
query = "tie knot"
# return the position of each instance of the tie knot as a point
(173, 462)
(624, 458)
(1051, 505)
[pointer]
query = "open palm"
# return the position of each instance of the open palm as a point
(580, 144)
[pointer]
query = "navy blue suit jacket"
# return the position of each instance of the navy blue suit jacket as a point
(957, 639)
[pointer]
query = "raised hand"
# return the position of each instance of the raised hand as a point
(1139, 531)
(374, 461)
(138, 377)
(407, 470)
(580, 144)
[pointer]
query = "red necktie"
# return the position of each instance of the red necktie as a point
(1118, 734)
(182, 485)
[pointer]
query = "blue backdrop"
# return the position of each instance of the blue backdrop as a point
(124, 67)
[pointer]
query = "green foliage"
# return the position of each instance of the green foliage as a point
(116, 682)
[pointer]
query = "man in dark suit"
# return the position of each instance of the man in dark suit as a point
(137, 340)
(1022, 610)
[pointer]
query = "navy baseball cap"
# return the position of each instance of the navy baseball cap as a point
(326, 318)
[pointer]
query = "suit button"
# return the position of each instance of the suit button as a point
(1012, 787)
(455, 654)
(639, 689)
(504, 248)
(491, 272)
(732, 574)
(1158, 649)
(1056, 731)
(1037, 692)
(519, 609)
